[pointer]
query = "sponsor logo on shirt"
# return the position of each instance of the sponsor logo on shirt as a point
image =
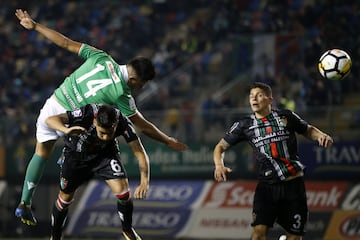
(76, 113)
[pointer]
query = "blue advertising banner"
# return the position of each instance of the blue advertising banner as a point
(105, 222)
(341, 161)
(163, 213)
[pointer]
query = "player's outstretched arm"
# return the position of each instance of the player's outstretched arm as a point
(144, 167)
(62, 41)
(153, 132)
(315, 134)
(220, 172)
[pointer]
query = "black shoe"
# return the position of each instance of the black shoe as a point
(25, 214)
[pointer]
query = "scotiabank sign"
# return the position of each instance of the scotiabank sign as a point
(234, 194)
(325, 195)
(321, 195)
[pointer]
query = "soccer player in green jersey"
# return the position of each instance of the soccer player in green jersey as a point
(98, 80)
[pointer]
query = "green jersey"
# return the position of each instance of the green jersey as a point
(98, 80)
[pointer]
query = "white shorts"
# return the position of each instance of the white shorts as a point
(43, 131)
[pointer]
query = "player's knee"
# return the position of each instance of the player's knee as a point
(123, 197)
(259, 232)
(45, 149)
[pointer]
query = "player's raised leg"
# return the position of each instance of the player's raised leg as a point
(34, 172)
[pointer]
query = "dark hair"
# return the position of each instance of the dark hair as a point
(263, 86)
(143, 67)
(106, 116)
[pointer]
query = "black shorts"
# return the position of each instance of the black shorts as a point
(75, 171)
(284, 203)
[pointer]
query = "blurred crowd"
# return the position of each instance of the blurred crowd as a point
(171, 33)
(31, 67)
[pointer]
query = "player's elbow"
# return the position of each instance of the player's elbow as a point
(70, 45)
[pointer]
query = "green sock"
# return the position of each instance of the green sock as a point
(33, 175)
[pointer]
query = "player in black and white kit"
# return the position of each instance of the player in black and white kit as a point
(91, 150)
(280, 194)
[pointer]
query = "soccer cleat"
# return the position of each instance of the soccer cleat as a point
(25, 214)
(131, 235)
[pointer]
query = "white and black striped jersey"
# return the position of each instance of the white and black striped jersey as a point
(273, 139)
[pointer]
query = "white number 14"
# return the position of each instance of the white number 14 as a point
(96, 84)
